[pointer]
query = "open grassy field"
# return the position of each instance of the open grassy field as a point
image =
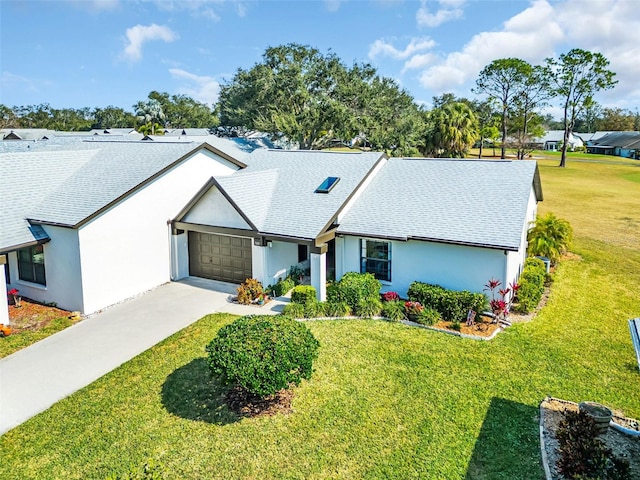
(385, 400)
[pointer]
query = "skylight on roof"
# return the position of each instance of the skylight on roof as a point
(327, 184)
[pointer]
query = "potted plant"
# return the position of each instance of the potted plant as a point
(17, 299)
(262, 298)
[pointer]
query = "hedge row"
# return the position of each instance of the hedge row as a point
(452, 305)
(531, 284)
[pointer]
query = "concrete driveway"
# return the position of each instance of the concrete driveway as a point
(33, 379)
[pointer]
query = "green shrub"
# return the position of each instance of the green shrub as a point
(427, 316)
(369, 307)
(532, 281)
(393, 310)
(293, 310)
(249, 290)
(263, 353)
(296, 273)
(456, 326)
(337, 309)
(451, 304)
(303, 294)
(314, 309)
(354, 287)
(282, 287)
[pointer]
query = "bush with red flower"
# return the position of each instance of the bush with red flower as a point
(501, 299)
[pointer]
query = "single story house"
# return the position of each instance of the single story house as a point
(620, 144)
(552, 141)
(98, 222)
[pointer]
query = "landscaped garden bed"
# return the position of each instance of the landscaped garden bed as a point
(623, 446)
(32, 321)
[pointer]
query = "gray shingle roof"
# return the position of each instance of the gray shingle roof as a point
(28, 178)
(455, 201)
(67, 184)
(277, 190)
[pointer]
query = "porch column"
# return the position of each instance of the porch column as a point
(4, 305)
(318, 264)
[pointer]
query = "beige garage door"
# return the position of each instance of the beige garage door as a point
(219, 257)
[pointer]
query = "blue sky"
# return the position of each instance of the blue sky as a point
(95, 53)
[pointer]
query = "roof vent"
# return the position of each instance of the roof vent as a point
(327, 185)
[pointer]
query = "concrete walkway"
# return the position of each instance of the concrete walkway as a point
(33, 379)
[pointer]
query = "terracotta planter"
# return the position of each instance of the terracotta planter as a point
(601, 414)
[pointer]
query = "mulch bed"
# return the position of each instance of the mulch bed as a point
(246, 404)
(552, 411)
(481, 328)
(32, 315)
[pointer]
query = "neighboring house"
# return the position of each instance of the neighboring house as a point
(26, 133)
(552, 140)
(621, 144)
(103, 221)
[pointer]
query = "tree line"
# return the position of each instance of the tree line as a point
(314, 100)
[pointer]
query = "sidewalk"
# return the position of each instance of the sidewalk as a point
(33, 379)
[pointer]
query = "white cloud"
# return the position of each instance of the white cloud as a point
(531, 35)
(201, 88)
(203, 8)
(449, 10)
(418, 61)
(332, 5)
(382, 48)
(140, 34)
(547, 29)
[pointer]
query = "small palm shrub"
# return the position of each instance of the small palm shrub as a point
(393, 310)
(369, 307)
(550, 237)
(263, 353)
(428, 316)
(303, 294)
(337, 309)
(293, 310)
(314, 309)
(353, 287)
(249, 290)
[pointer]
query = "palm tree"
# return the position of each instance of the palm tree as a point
(550, 237)
(454, 130)
(150, 112)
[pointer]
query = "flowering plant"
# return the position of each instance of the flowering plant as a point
(413, 308)
(390, 296)
(501, 303)
(13, 292)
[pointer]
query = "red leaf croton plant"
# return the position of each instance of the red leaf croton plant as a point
(501, 303)
(13, 292)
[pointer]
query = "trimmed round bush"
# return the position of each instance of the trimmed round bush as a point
(303, 294)
(263, 354)
(353, 288)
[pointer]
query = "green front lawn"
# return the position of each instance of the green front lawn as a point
(385, 400)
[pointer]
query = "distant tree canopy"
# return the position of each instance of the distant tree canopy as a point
(314, 100)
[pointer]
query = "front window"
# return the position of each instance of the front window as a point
(376, 259)
(31, 265)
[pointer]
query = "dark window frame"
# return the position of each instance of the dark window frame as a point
(372, 260)
(31, 266)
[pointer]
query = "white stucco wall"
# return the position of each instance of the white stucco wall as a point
(280, 256)
(214, 209)
(62, 271)
(516, 259)
(455, 267)
(126, 250)
(4, 306)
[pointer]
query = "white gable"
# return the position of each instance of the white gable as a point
(214, 209)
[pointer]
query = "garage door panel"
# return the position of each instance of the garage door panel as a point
(220, 257)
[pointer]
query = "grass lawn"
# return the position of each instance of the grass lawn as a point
(385, 400)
